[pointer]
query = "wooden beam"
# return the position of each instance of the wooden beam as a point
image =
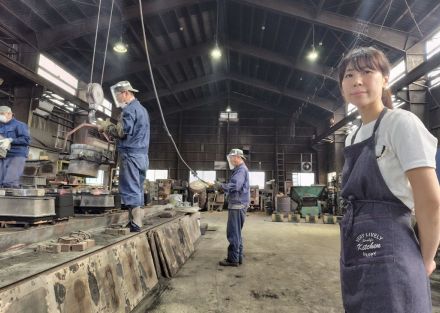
(389, 37)
(70, 31)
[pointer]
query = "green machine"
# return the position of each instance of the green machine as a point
(311, 200)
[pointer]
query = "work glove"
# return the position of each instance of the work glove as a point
(6, 143)
(104, 125)
(217, 186)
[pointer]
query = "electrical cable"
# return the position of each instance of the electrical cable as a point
(413, 18)
(193, 172)
(106, 43)
(385, 18)
(96, 39)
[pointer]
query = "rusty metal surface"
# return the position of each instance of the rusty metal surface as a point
(112, 277)
(19, 236)
(11, 237)
(109, 280)
(176, 241)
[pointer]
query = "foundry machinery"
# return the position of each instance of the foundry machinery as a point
(311, 200)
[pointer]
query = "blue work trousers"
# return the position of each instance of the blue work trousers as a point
(11, 168)
(132, 171)
(236, 219)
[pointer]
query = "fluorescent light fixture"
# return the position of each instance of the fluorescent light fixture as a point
(228, 116)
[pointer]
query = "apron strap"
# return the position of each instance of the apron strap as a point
(379, 119)
(355, 134)
(376, 125)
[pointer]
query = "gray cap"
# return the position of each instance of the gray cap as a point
(123, 86)
(5, 109)
(237, 152)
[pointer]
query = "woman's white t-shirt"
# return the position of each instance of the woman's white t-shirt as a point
(402, 143)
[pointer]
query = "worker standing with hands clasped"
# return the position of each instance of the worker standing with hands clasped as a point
(14, 148)
(389, 169)
(133, 135)
(238, 193)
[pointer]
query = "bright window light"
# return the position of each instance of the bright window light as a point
(56, 81)
(303, 179)
(208, 176)
(56, 74)
(397, 72)
(433, 45)
(257, 178)
(228, 116)
(106, 107)
(434, 77)
(432, 48)
(98, 181)
(152, 175)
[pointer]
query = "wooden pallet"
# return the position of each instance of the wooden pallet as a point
(27, 223)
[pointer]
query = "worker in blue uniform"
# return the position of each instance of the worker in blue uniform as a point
(133, 135)
(238, 192)
(14, 144)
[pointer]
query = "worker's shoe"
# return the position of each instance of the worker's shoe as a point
(226, 262)
(137, 214)
(133, 227)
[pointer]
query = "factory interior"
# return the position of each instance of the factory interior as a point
(129, 205)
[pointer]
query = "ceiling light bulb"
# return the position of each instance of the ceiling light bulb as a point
(216, 53)
(228, 109)
(120, 47)
(313, 55)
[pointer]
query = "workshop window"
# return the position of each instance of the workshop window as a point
(98, 181)
(432, 48)
(257, 179)
(397, 72)
(303, 179)
(152, 175)
(208, 176)
(57, 75)
(433, 45)
(105, 107)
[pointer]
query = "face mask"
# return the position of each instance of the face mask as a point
(122, 105)
(231, 166)
(3, 119)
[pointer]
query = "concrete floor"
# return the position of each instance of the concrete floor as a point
(288, 268)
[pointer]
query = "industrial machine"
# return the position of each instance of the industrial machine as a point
(95, 202)
(164, 188)
(216, 200)
(26, 205)
(63, 202)
(254, 203)
(85, 160)
(310, 199)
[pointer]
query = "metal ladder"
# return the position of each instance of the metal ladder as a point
(280, 172)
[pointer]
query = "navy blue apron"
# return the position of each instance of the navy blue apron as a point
(382, 270)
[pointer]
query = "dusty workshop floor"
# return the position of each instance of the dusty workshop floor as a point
(288, 268)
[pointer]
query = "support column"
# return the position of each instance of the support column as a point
(417, 90)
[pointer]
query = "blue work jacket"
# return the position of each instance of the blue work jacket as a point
(19, 132)
(238, 187)
(136, 126)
